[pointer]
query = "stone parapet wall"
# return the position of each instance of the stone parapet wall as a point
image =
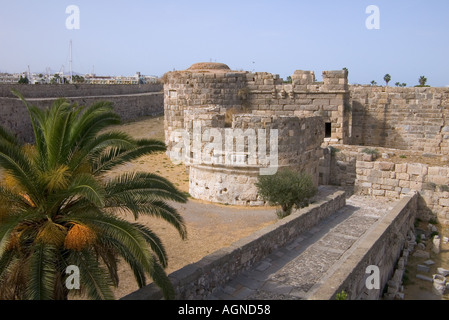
(382, 247)
(392, 179)
(76, 90)
(130, 106)
(198, 280)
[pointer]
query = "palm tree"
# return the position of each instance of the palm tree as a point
(387, 78)
(58, 206)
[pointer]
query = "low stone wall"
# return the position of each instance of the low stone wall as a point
(198, 280)
(385, 178)
(76, 90)
(382, 247)
(14, 116)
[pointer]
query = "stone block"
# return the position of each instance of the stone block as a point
(385, 166)
(425, 278)
(416, 168)
(402, 176)
(443, 202)
(442, 271)
(404, 184)
(436, 244)
(421, 254)
(379, 193)
(422, 268)
(401, 167)
(364, 164)
(429, 262)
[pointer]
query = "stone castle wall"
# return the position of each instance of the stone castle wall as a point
(389, 178)
(131, 102)
(261, 94)
(402, 118)
(76, 90)
(232, 180)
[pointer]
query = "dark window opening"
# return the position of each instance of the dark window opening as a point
(328, 130)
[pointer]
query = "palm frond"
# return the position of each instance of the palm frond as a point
(118, 229)
(144, 184)
(136, 267)
(93, 277)
(10, 276)
(90, 122)
(42, 273)
(16, 163)
(161, 279)
(7, 136)
(86, 186)
(155, 243)
(8, 225)
(98, 145)
(116, 156)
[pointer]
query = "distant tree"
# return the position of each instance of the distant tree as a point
(387, 78)
(397, 84)
(56, 79)
(40, 75)
(23, 80)
(78, 79)
(289, 80)
(422, 81)
(373, 83)
(403, 85)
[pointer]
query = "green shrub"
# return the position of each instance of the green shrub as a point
(342, 295)
(429, 186)
(288, 189)
(373, 152)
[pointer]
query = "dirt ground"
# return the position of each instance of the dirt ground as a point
(209, 226)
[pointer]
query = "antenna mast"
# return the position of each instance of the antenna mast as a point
(71, 62)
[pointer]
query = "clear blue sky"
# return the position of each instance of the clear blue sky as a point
(122, 37)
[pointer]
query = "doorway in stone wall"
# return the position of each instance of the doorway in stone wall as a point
(327, 130)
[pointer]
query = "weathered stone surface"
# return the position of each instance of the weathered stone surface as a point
(421, 254)
(425, 278)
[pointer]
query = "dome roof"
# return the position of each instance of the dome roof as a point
(209, 66)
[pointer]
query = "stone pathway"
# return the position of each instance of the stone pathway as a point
(298, 269)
